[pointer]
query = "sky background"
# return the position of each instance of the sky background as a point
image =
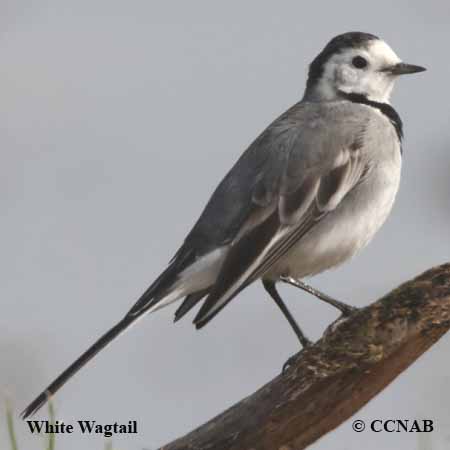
(117, 120)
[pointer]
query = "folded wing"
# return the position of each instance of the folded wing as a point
(323, 161)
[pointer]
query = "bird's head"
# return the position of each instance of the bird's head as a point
(355, 63)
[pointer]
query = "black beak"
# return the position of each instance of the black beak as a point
(403, 69)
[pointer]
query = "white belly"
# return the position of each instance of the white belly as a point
(346, 230)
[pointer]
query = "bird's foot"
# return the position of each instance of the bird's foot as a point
(347, 310)
(304, 341)
(290, 361)
(340, 320)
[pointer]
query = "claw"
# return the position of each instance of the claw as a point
(340, 320)
(288, 364)
(290, 361)
(348, 310)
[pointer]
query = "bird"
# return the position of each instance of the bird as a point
(308, 194)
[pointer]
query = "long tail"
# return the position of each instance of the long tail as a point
(167, 288)
(100, 344)
(157, 295)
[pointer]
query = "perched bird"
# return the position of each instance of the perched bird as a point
(309, 192)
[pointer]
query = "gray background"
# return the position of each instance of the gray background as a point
(117, 121)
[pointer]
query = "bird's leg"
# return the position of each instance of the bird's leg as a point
(343, 307)
(269, 286)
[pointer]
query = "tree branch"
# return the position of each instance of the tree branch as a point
(333, 379)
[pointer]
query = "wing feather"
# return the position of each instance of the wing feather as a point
(296, 213)
(293, 174)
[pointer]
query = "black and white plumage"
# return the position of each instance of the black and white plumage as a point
(308, 193)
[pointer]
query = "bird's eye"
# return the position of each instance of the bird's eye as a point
(359, 62)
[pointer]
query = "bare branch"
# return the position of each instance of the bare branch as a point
(333, 379)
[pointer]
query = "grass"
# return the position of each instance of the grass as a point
(51, 436)
(50, 440)
(10, 426)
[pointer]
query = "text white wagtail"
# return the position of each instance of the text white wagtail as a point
(309, 193)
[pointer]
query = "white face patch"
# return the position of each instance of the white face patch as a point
(382, 53)
(341, 74)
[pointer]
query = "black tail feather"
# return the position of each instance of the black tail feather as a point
(188, 303)
(155, 293)
(101, 343)
(162, 284)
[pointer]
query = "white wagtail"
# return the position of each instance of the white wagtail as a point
(308, 193)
